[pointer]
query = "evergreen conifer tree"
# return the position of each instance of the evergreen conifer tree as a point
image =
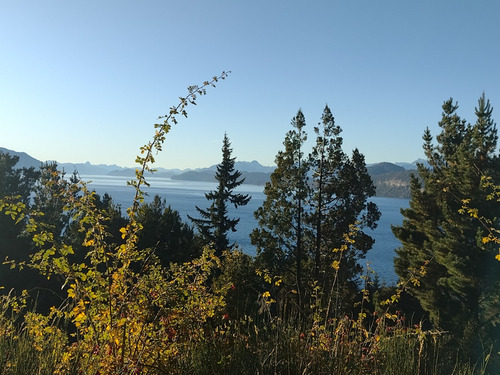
(311, 203)
(214, 223)
(341, 187)
(164, 231)
(18, 183)
(114, 222)
(280, 237)
(455, 276)
(47, 197)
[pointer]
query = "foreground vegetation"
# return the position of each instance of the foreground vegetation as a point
(105, 294)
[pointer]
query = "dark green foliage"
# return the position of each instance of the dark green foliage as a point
(14, 183)
(239, 271)
(47, 197)
(341, 189)
(393, 184)
(390, 180)
(460, 282)
(114, 221)
(324, 196)
(214, 223)
(311, 204)
(39, 191)
(280, 238)
(114, 214)
(164, 231)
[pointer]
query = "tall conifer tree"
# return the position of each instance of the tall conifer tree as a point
(461, 283)
(302, 221)
(214, 223)
(280, 237)
(341, 188)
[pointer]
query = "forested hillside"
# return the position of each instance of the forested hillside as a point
(393, 184)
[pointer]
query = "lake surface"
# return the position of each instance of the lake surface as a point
(184, 196)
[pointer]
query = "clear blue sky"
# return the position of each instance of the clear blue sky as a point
(85, 80)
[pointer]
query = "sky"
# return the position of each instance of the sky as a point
(86, 80)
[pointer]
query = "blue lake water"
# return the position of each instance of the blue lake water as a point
(184, 196)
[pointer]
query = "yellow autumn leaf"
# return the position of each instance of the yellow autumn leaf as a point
(123, 231)
(79, 319)
(89, 242)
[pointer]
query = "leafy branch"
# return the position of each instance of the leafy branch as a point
(488, 224)
(155, 146)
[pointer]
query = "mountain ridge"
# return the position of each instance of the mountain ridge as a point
(390, 179)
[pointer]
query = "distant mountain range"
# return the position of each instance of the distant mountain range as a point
(25, 161)
(390, 179)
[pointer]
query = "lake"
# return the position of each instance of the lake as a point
(184, 196)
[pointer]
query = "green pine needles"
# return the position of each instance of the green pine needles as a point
(214, 223)
(460, 288)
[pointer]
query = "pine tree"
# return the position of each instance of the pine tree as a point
(311, 203)
(214, 223)
(326, 158)
(47, 197)
(17, 184)
(280, 236)
(454, 273)
(341, 189)
(114, 222)
(164, 231)
(16, 181)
